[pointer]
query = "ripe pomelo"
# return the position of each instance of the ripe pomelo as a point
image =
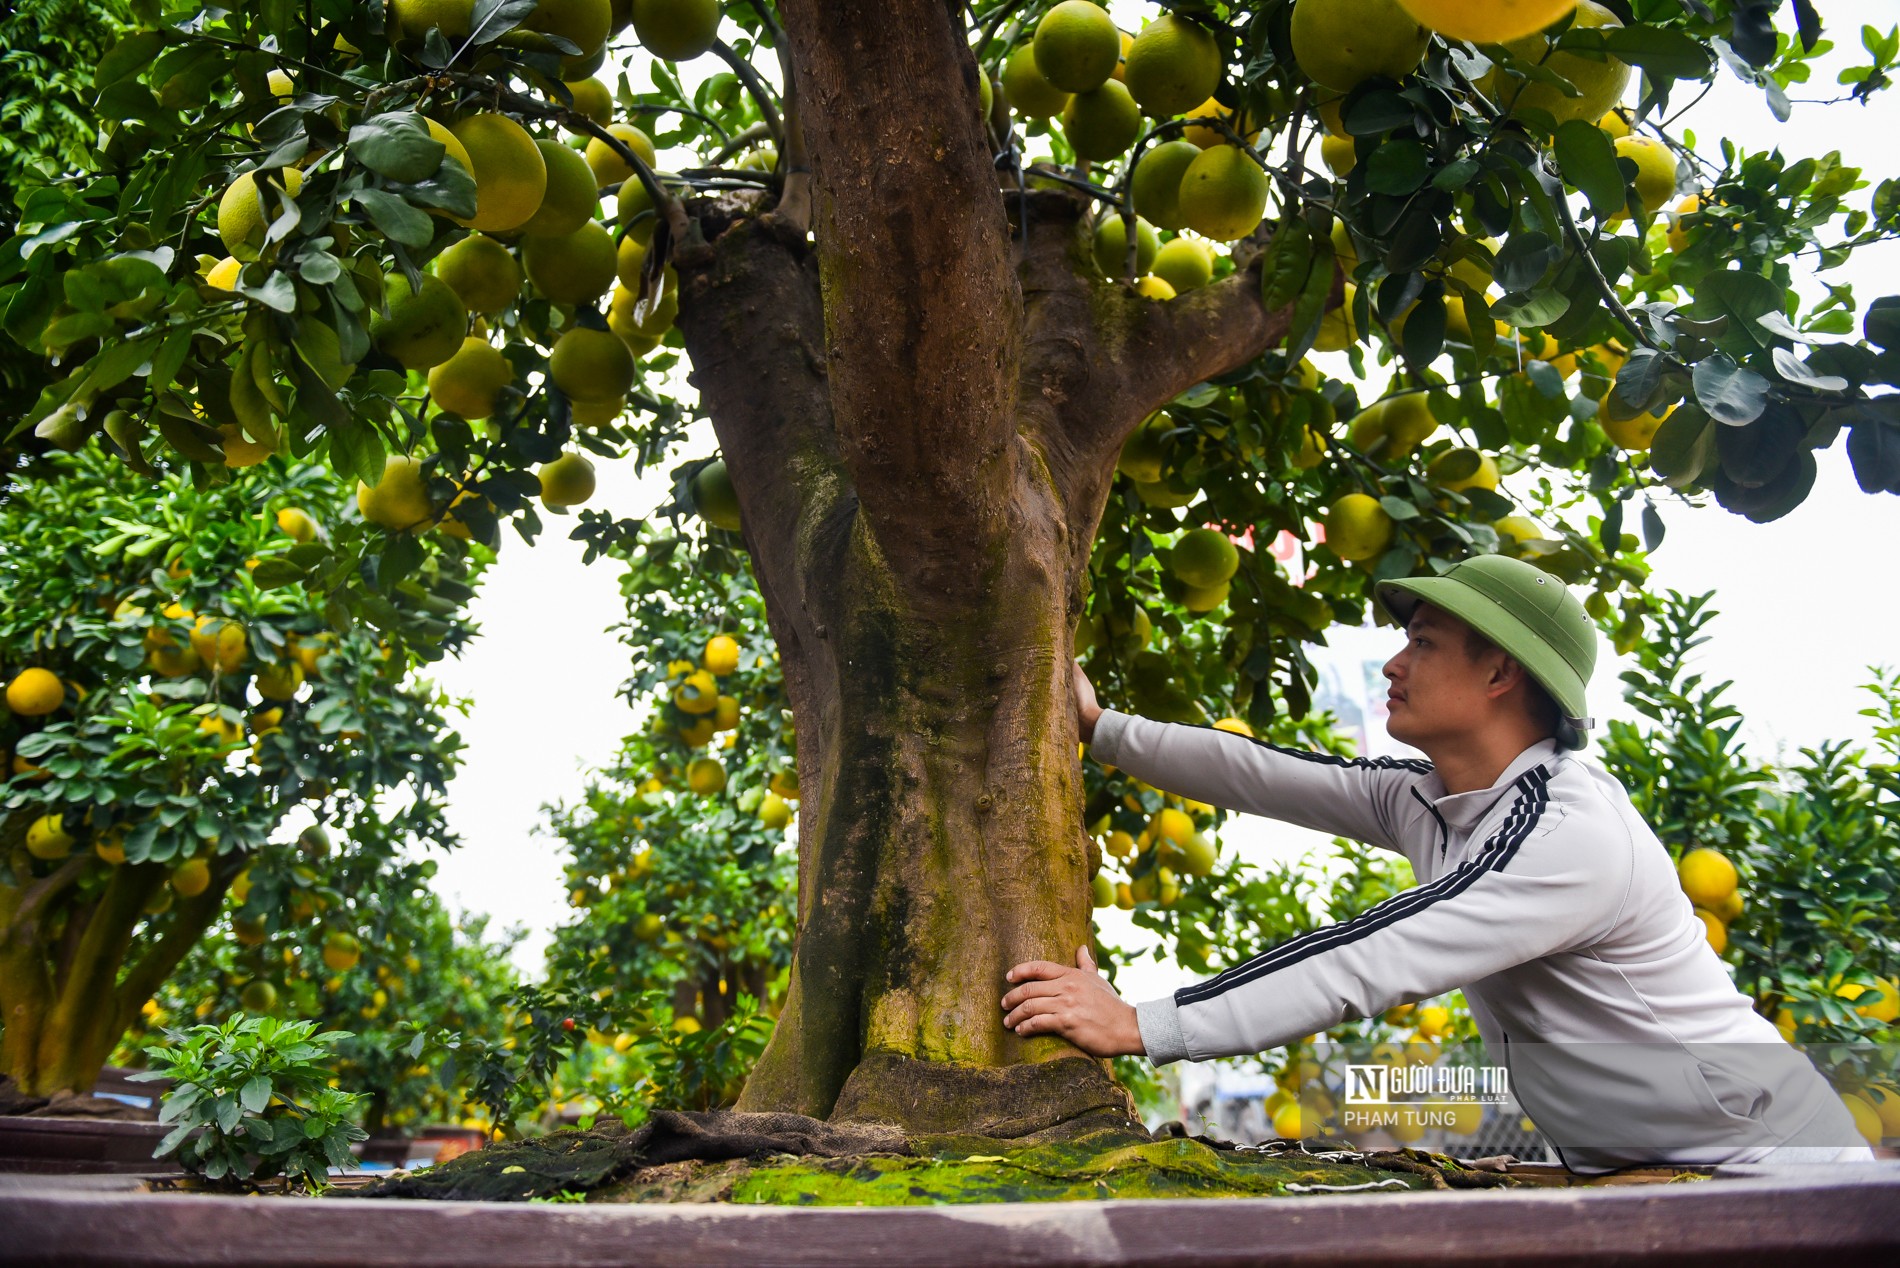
(482, 272)
(574, 268)
(582, 23)
(1707, 877)
(607, 165)
(676, 30)
(1357, 527)
(400, 500)
(423, 327)
(1204, 557)
(35, 692)
(1173, 65)
(1155, 187)
(414, 18)
(1631, 434)
(1341, 43)
(1224, 193)
(592, 98)
(1459, 469)
(1655, 171)
(571, 198)
(1030, 94)
(245, 212)
(1339, 153)
(1077, 46)
(1102, 122)
(1601, 79)
(1111, 245)
(1487, 21)
(467, 383)
(591, 365)
(1185, 263)
(567, 481)
(510, 175)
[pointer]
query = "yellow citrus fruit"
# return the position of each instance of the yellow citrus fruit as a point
(191, 878)
(1185, 264)
(676, 30)
(591, 365)
(1102, 890)
(1655, 170)
(1340, 43)
(1199, 855)
(1614, 123)
(1357, 527)
(571, 198)
(1866, 1118)
(227, 733)
(775, 812)
(239, 449)
(1707, 877)
(258, 997)
(1152, 287)
(714, 497)
(468, 382)
(1713, 929)
(1235, 725)
(1677, 235)
(270, 721)
(1110, 245)
(482, 272)
(607, 165)
(1172, 66)
(280, 682)
(1077, 46)
(423, 327)
(567, 481)
(1291, 1122)
(452, 147)
(413, 18)
(1487, 21)
(246, 212)
(1885, 1098)
(224, 274)
(1601, 80)
(1633, 434)
(1394, 426)
(1207, 137)
(697, 694)
(296, 524)
(706, 776)
(1433, 1021)
(1204, 557)
(575, 268)
(400, 500)
(726, 715)
(721, 656)
(1173, 825)
(785, 783)
(1337, 329)
(220, 642)
(510, 175)
(341, 951)
(1155, 186)
(1339, 153)
(111, 847)
(1460, 469)
(1102, 122)
(47, 838)
(1223, 193)
(1030, 94)
(592, 99)
(591, 414)
(1885, 1009)
(35, 692)
(582, 23)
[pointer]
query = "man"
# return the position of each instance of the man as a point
(1542, 893)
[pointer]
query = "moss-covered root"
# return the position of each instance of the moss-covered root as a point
(1064, 1097)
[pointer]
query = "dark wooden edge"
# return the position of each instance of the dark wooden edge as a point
(1840, 1215)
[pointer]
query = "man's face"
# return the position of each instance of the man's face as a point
(1435, 688)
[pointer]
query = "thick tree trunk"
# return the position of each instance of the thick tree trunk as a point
(921, 416)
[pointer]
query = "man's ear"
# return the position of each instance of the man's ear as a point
(1506, 673)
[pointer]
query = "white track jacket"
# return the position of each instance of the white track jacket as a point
(1548, 899)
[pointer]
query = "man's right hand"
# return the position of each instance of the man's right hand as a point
(1086, 710)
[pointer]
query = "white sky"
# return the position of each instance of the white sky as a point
(1803, 613)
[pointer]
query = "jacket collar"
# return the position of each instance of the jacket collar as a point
(1462, 811)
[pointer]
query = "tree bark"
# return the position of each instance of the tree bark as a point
(921, 413)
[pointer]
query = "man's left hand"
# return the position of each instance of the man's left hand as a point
(1076, 1004)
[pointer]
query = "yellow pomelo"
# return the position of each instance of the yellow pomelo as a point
(1459, 469)
(1155, 187)
(676, 30)
(1185, 264)
(721, 656)
(1867, 1120)
(1111, 245)
(1204, 557)
(575, 268)
(1102, 890)
(341, 951)
(1614, 123)
(1632, 434)
(467, 383)
(413, 18)
(1291, 1122)
(718, 504)
(1707, 877)
(582, 23)
(1655, 170)
(1394, 426)
(280, 681)
(224, 274)
(191, 878)
(220, 642)
(571, 198)
(1172, 66)
(1152, 287)
(775, 812)
(591, 365)
(1339, 153)
(1885, 1009)
(1677, 235)
(1224, 193)
(35, 692)
(596, 413)
(1713, 929)
(1514, 530)
(452, 147)
(1236, 725)
(482, 272)
(1144, 456)
(1101, 123)
(1337, 329)
(567, 481)
(1885, 1098)
(400, 500)
(423, 327)
(281, 85)
(47, 838)
(592, 99)
(1173, 825)
(1205, 598)
(1357, 527)
(726, 716)
(635, 212)
(1600, 79)
(706, 776)
(1344, 251)
(296, 524)
(1030, 95)
(1207, 137)
(697, 694)
(605, 162)
(510, 175)
(245, 212)
(1487, 21)
(111, 847)
(1340, 43)
(239, 449)
(1077, 46)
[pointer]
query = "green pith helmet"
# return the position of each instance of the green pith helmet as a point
(1528, 613)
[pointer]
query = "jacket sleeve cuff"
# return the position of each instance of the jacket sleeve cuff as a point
(1161, 1030)
(1105, 747)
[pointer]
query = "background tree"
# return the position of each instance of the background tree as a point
(164, 715)
(925, 363)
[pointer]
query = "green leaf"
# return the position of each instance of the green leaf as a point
(1743, 297)
(274, 574)
(492, 19)
(397, 220)
(126, 58)
(397, 146)
(1538, 308)
(256, 1093)
(1732, 394)
(1663, 52)
(1588, 161)
(1397, 167)
(1684, 447)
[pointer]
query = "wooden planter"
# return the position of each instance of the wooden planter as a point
(80, 1146)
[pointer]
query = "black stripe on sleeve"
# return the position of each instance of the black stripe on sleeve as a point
(1416, 765)
(1532, 797)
